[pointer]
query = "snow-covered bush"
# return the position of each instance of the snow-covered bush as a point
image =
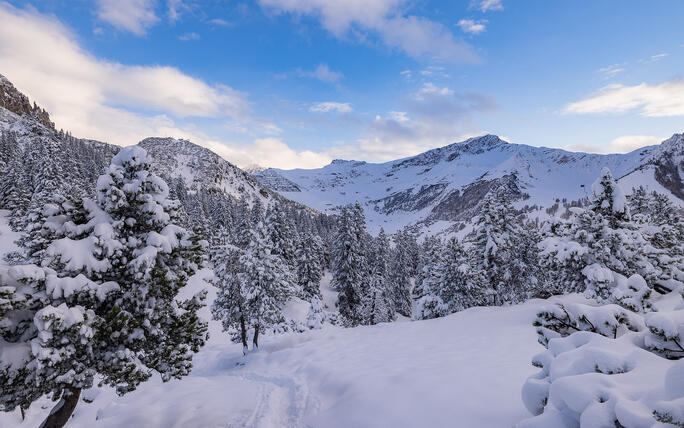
(608, 366)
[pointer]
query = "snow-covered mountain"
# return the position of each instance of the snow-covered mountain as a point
(36, 160)
(444, 186)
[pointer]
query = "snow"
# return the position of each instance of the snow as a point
(441, 372)
(7, 236)
(545, 174)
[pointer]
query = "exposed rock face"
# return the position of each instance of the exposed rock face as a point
(669, 163)
(18, 103)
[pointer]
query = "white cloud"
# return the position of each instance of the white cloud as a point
(416, 36)
(472, 26)
(323, 73)
(611, 70)
(487, 5)
(661, 100)
(188, 37)
(331, 106)
(628, 143)
(135, 16)
(623, 144)
(406, 73)
(112, 102)
(435, 71)
(176, 8)
(658, 57)
(220, 22)
(433, 117)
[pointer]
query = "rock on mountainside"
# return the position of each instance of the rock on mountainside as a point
(445, 185)
(18, 103)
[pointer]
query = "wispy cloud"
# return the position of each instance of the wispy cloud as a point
(611, 70)
(487, 5)
(188, 37)
(661, 100)
(658, 57)
(434, 71)
(323, 73)
(220, 22)
(134, 16)
(623, 144)
(330, 106)
(472, 26)
(415, 35)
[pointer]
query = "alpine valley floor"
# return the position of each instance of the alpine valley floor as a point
(464, 370)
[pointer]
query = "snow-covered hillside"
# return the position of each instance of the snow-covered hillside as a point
(442, 372)
(200, 170)
(447, 184)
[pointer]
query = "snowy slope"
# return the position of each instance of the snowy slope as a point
(447, 183)
(442, 372)
(201, 170)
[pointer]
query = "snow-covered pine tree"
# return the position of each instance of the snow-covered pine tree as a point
(279, 232)
(599, 248)
(315, 318)
(426, 293)
(459, 280)
(267, 280)
(349, 264)
(639, 202)
(378, 300)
(256, 214)
(243, 223)
(615, 244)
(404, 266)
(107, 291)
(495, 248)
(310, 265)
(230, 307)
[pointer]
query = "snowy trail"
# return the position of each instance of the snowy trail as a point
(463, 370)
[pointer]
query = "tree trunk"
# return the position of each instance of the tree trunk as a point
(23, 413)
(255, 341)
(243, 334)
(62, 411)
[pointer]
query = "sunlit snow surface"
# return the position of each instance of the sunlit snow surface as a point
(464, 370)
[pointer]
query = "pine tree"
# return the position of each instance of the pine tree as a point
(280, 233)
(230, 306)
(460, 281)
(404, 266)
(496, 242)
(349, 264)
(104, 302)
(310, 266)
(426, 293)
(378, 299)
(241, 233)
(599, 248)
(268, 282)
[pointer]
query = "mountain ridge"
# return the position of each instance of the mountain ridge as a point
(447, 183)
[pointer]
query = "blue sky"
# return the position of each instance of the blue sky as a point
(296, 83)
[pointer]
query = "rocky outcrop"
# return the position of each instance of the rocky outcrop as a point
(19, 104)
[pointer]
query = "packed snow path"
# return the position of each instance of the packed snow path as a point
(463, 370)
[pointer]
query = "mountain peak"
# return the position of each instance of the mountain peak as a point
(676, 141)
(484, 142)
(18, 103)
